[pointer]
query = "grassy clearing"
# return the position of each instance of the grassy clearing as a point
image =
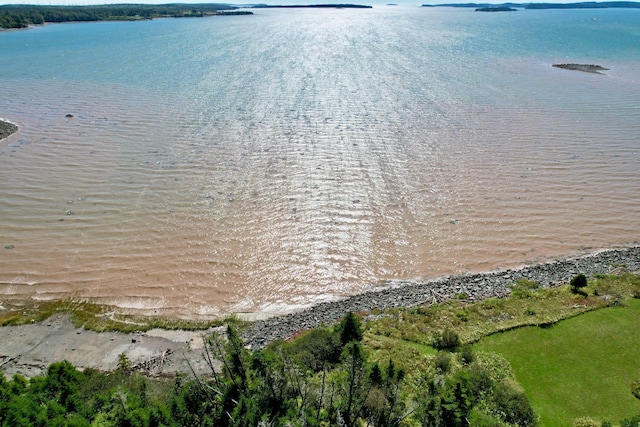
(581, 367)
(93, 317)
(413, 329)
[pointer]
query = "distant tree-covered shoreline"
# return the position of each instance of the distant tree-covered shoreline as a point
(22, 16)
(579, 5)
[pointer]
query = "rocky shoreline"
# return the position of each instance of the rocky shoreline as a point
(29, 349)
(411, 293)
(6, 129)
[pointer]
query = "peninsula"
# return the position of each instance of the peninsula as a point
(22, 16)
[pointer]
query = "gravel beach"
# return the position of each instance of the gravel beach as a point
(412, 293)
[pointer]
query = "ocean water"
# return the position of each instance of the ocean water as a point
(259, 164)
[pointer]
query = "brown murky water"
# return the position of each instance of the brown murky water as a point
(292, 184)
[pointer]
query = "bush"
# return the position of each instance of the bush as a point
(349, 329)
(635, 389)
(577, 283)
(316, 349)
(584, 422)
(480, 419)
(466, 354)
(524, 288)
(445, 340)
(631, 422)
(514, 406)
(442, 362)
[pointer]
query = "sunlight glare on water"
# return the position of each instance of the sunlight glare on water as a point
(264, 163)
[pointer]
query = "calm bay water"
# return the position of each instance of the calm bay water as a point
(262, 163)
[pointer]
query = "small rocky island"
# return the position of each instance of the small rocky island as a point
(496, 9)
(7, 129)
(587, 68)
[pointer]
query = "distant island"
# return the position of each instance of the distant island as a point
(329, 5)
(581, 5)
(22, 16)
(585, 5)
(496, 9)
(587, 68)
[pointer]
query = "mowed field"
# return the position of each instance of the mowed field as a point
(580, 367)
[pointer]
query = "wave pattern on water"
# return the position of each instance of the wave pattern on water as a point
(270, 162)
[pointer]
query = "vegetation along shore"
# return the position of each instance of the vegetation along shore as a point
(475, 287)
(394, 357)
(22, 16)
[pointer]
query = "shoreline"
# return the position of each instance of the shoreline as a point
(29, 349)
(407, 293)
(7, 128)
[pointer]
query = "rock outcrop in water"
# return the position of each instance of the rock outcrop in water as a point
(7, 129)
(587, 68)
(410, 293)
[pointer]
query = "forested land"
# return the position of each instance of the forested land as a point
(21, 16)
(324, 378)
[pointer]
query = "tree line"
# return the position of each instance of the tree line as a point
(21, 16)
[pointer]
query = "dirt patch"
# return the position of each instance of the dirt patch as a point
(29, 349)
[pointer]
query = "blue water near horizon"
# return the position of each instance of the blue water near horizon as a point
(121, 49)
(267, 162)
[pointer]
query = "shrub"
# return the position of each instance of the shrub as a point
(584, 422)
(635, 389)
(316, 349)
(480, 419)
(466, 354)
(577, 283)
(631, 422)
(349, 329)
(445, 340)
(524, 288)
(463, 316)
(514, 406)
(442, 362)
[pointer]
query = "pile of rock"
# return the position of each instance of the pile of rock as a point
(7, 129)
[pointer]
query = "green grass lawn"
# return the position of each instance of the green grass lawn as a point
(580, 367)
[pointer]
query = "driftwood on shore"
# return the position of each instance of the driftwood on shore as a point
(476, 287)
(7, 129)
